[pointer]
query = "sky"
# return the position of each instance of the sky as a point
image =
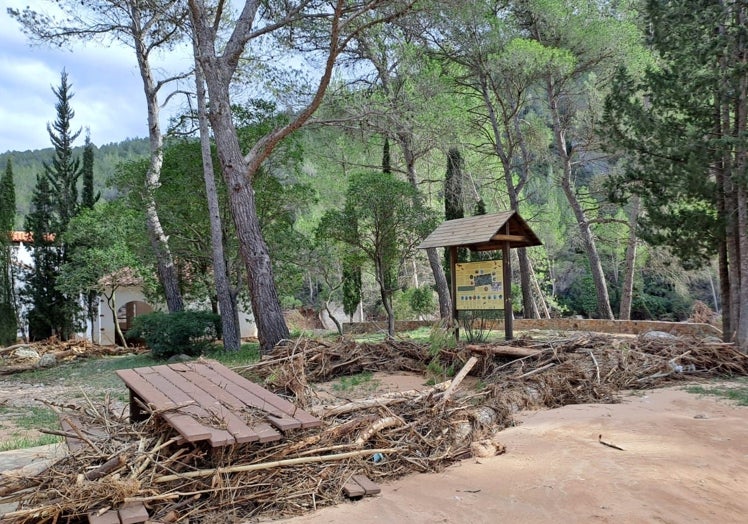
(108, 94)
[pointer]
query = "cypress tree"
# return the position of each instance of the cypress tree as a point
(54, 203)
(88, 197)
(8, 318)
(40, 293)
(64, 171)
(453, 206)
(88, 201)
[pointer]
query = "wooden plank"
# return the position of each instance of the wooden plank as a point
(246, 398)
(369, 487)
(154, 375)
(263, 430)
(110, 517)
(353, 489)
(306, 419)
(133, 513)
(241, 432)
(145, 390)
(189, 428)
(275, 415)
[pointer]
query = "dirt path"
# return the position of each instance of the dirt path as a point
(685, 459)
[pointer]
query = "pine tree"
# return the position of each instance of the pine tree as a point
(8, 319)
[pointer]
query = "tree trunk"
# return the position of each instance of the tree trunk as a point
(543, 306)
(741, 335)
(528, 306)
(741, 165)
(440, 280)
(238, 171)
(627, 292)
(229, 326)
(167, 273)
(588, 239)
(596, 269)
(386, 296)
(112, 303)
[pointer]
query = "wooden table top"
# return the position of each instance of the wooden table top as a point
(205, 400)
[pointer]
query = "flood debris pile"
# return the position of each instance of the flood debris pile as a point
(116, 462)
(51, 352)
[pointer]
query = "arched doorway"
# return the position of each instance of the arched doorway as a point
(127, 313)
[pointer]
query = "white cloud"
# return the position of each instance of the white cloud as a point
(108, 92)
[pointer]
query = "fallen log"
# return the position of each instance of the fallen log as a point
(502, 351)
(458, 379)
(269, 465)
(384, 400)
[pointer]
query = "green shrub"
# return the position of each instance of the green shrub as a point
(167, 334)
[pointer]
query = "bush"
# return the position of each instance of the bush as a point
(167, 334)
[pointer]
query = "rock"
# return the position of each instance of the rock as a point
(658, 335)
(484, 416)
(48, 360)
(26, 352)
(181, 357)
(489, 447)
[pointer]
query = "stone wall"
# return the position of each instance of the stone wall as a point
(632, 327)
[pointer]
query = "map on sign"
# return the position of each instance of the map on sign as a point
(480, 285)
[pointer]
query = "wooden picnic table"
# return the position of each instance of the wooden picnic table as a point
(205, 400)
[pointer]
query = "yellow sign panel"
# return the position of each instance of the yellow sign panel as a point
(480, 285)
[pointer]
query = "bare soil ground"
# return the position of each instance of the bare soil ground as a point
(684, 459)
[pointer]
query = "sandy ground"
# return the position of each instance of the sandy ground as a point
(684, 459)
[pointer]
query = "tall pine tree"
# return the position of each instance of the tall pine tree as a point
(8, 318)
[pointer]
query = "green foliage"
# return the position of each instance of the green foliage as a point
(102, 259)
(384, 220)
(422, 300)
(363, 380)
(476, 325)
(64, 171)
(51, 312)
(441, 338)
(351, 287)
(413, 302)
(167, 334)
(674, 123)
(8, 322)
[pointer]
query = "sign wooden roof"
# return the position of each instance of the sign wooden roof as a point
(483, 233)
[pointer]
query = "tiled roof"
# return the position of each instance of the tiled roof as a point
(26, 237)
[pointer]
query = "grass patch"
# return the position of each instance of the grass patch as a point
(248, 353)
(29, 442)
(363, 380)
(737, 391)
(93, 372)
(23, 423)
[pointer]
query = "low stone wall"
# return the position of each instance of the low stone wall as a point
(631, 327)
